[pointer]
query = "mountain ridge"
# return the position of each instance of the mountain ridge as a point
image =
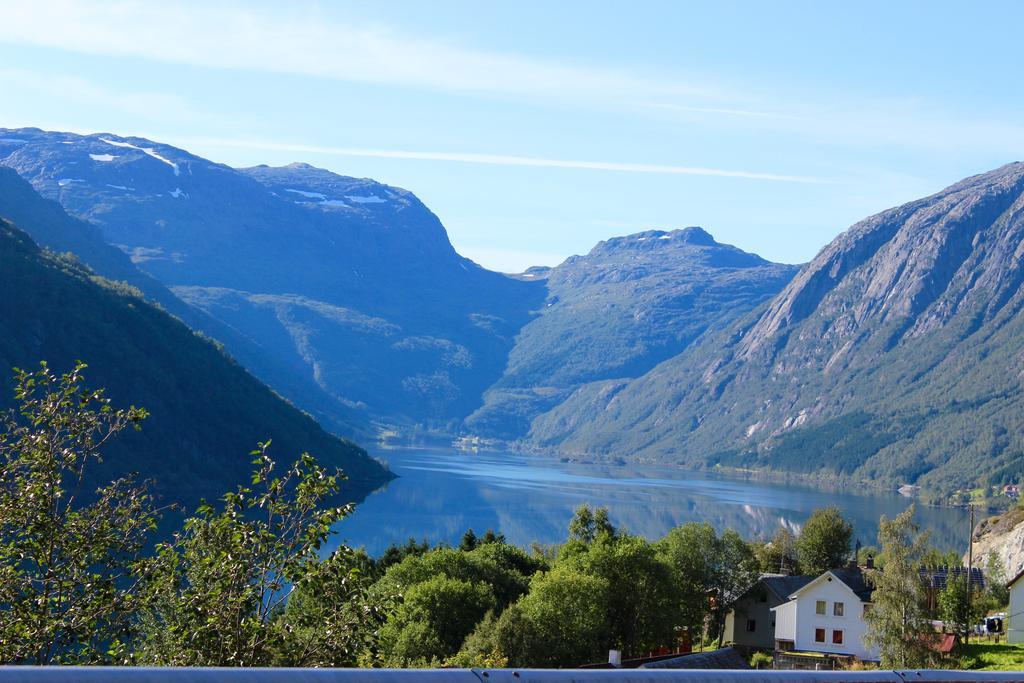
(619, 310)
(876, 340)
(296, 276)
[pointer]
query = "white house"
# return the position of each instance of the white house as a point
(827, 615)
(1015, 627)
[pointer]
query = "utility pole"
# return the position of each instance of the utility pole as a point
(970, 568)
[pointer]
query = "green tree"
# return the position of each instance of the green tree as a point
(735, 571)
(690, 551)
(469, 541)
(433, 620)
(498, 569)
(956, 606)
(643, 593)
(587, 525)
(220, 586)
(70, 558)
(779, 555)
(824, 542)
(414, 634)
(561, 622)
(898, 622)
(711, 572)
(490, 536)
(395, 553)
(995, 582)
(329, 620)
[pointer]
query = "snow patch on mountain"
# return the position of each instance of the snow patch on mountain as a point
(145, 150)
(365, 199)
(102, 157)
(63, 182)
(309, 195)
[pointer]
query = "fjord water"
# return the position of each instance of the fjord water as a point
(441, 493)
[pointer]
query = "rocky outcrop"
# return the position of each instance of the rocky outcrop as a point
(1004, 536)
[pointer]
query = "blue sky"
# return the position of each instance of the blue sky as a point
(536, 129)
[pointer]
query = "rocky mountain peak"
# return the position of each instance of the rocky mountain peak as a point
(912, 267)
(694, 235)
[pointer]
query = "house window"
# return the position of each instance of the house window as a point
(819, 635)
(819, 607)
(837, 609)
(751, 625)
(837, 637)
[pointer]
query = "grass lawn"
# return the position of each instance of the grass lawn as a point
(993, 657)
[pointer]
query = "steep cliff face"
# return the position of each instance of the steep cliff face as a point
(894, 354)
(1003, 536)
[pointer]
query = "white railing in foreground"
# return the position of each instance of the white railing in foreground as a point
(68, 674)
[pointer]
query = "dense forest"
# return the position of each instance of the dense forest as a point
(205, 407)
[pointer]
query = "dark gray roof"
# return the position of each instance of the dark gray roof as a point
(935, 577)
(726, 658)
(784, 586)
(854, 579)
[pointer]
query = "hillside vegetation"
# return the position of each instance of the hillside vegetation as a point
(207, 413)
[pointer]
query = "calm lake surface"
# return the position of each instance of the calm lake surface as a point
(441, 493)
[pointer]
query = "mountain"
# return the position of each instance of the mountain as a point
(617, 312)
(895, 355)
(51, 227)
(207, 413)
(344, 285)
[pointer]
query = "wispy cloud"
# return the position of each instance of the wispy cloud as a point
(508, 160)
(726, 111)
(65, 88)
(305, 42)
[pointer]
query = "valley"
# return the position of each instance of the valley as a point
(883, 360)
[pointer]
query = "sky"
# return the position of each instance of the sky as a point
(536, 129)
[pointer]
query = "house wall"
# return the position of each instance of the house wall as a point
(852, 623)
(756, 606)
(1015, 629)
(785, 621)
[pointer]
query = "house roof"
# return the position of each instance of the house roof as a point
(783, 586)
(725, 658)
(936, 577)
(852, 578)
(1015, 579)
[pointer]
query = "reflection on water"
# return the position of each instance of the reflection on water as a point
(439, 494)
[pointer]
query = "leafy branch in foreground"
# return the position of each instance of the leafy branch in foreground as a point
(220, 587)
(70, 557)
(898, 622)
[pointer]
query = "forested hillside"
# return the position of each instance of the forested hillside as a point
(206, 412)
